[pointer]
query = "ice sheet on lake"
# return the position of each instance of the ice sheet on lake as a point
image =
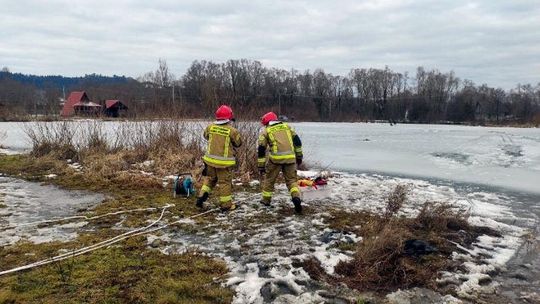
(502, 157)
(25, 202)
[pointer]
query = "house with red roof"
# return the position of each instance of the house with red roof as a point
(78, 103)
(114, 108)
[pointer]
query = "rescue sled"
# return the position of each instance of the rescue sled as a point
(313, 186)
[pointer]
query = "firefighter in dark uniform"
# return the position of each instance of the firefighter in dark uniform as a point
(219, 159)
(284, 154)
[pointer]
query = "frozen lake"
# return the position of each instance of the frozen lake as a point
(498, 157)
(491, 173)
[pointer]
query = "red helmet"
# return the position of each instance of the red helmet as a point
(268, 117)
(224, 112)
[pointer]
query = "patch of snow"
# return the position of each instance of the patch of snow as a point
(417, 295)
(329, 257)
(187, 221)
(307, 174)
(76, 166)
(249, 290)
(148, 163)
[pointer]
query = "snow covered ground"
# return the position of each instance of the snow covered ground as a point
(263, 247)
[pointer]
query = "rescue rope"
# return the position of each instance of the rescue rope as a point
(88, 248)
(116, 239)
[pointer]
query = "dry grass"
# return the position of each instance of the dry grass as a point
(395, 201)
(247, 153)
(52, 139)
(168, 147)
(536, 120)
(314, 268)
(159, 147)
(440, 217)
(3, 137)
(126, 273)
(380, 262)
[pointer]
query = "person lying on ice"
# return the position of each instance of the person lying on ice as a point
(219, 159)
(284, 155)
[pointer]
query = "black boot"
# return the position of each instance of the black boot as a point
(202, 199)
(297, 205)
(265, 203)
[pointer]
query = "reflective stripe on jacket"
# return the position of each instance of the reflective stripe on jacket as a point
(279, 137)
(221, 141)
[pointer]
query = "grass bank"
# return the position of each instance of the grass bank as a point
(129, 272)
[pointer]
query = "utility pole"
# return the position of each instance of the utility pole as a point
(173, 92)
(279, 103)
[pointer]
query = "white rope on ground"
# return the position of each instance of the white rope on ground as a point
(89, 248)
(78, 217)
(116, 239)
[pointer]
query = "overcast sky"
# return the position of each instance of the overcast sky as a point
(490, 41)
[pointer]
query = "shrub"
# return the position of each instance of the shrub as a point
(380, 261)
(247, 154)
(395, 200)
(54, 139)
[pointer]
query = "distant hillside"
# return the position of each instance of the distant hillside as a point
(57, 81)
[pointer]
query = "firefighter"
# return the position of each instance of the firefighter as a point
(285, 153)
(219, 159)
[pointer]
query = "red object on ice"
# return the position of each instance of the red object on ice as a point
(307, 183)
(319, 181)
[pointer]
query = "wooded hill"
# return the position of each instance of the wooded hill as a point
(251, 88)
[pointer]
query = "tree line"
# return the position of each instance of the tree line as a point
(364, 94)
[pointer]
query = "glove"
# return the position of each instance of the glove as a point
(298, 161)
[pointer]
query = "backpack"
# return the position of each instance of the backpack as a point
(183, 185)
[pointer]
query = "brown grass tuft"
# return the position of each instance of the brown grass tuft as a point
(441, 217)
(314, 268)
(395, 200)
(247, 153)
(380, 262)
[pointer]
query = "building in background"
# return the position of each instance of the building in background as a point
(78, 104)
(115, 108)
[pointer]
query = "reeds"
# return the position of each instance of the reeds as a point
(163, 147)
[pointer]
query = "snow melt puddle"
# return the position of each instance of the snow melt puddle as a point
(264, 247)
(23, 202)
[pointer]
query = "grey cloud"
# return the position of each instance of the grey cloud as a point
(494, 42)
